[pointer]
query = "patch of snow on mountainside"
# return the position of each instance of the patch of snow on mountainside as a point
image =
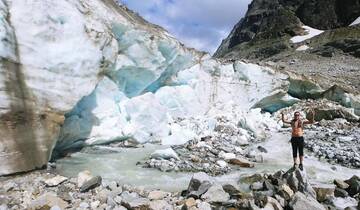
(311, 32)
(357, 21)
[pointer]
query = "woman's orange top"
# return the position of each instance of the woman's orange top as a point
(297, 128)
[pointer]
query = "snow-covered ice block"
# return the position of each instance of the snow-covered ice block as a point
(165, 154)
(178, 135)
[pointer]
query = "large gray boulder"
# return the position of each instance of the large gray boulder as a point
(216, 194)
(301, 202)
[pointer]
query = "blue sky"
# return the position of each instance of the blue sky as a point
(200, 24)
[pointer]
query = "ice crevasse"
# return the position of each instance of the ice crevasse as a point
(84, 72)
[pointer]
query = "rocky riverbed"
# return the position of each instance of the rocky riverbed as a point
(219, 152)
(280, 190)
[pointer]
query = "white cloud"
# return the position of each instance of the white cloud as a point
(201, 24)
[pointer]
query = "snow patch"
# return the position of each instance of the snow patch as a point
(302, 48)
(311, 32)
(357, 21)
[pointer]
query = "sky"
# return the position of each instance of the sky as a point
(201, 24)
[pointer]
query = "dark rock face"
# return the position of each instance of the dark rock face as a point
(268, 24)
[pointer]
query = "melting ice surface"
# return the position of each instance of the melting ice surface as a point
(121, 166)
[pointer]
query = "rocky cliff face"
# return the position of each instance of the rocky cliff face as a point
(269, 24)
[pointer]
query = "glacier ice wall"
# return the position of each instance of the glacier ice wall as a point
(54, 53)
(85, 72)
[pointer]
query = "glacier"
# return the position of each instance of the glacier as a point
(91, 72)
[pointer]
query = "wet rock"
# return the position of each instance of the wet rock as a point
(55, 181)
(231, 189)
(297, 180)
(251, 179)
(341, 184)
(301, 202)
(157, 195)
(354, 185)
(46, 201)
(262, 149)
(82, 177)
(340, 192)
(260, 199)
(216, 194)
(323, 191)
(286, 192)
(281, 200)
(241, 162)
(268, 186)
(160, 205)
(90, 184)
(197, 179)
(275, 204)
(256, 186)
(201, 190)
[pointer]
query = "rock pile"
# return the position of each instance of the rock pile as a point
(281, 190)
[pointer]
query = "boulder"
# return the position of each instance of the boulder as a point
(231, 189)
(286, 192)
(160, 205)
(204, 206)
(340, 193)
(275, 204)
(133, 201)
(90, 184)
(190, 202)
(157, 195)
(341, 184)
(197, 179)
(251, 179)
(201, 190)
(55, 181)
(354, 185)
(257, 186)
(323, 191)
(47, 201)
(241, 162)
(301, 202)
(298, 181)
(82, 177)
(216, 194)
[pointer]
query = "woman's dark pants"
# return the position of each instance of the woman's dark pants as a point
(297, 144)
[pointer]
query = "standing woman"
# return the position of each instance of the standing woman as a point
(297, 138)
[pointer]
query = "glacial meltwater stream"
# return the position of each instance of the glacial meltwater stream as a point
(120, 165)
